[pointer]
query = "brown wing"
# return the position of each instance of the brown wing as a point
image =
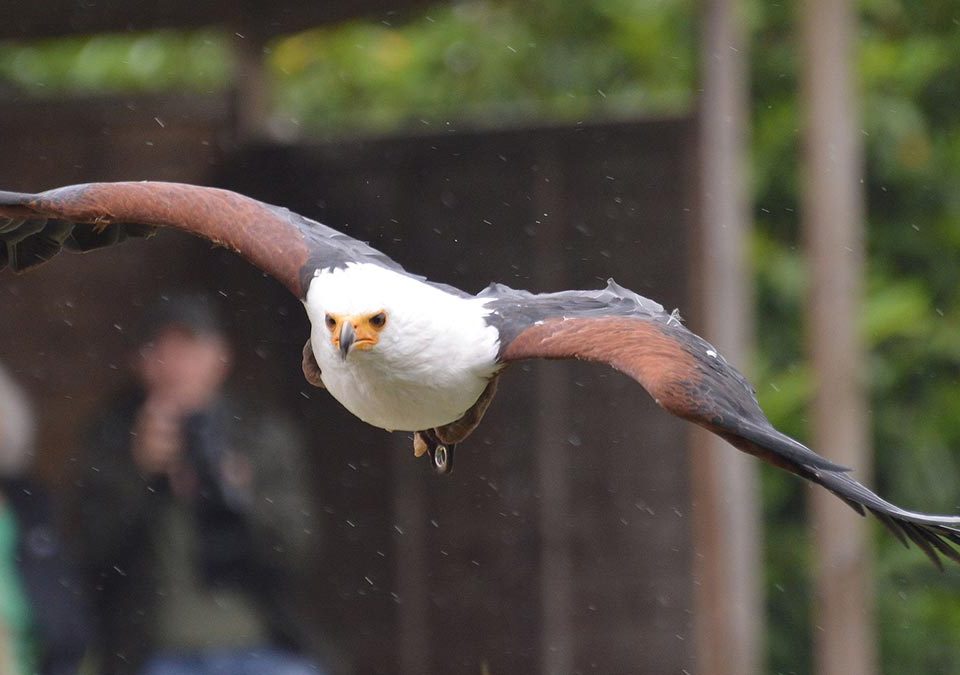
(689, 378)
(289, 247)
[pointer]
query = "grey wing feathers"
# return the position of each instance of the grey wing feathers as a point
(514, 310)
(932, 534)
(733, 399)
(35, 227)
(689, 378)
(334, 249)
(31, 240)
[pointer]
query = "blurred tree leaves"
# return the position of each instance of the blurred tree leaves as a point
(489, 62)
(478, 61)
(486, 62)
(157, 61)
(909, 68)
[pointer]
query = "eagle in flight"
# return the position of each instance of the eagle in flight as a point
(406, 354)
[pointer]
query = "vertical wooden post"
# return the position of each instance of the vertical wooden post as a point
(833, 223)
(728, 595)
(556, 646)
(250, 86)
(410, 507)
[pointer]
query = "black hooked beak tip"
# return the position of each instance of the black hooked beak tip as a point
(347, 338)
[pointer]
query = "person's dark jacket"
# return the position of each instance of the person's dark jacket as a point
(268, 543)
(50, 579)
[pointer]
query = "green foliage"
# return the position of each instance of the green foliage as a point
(116, 63)
(484, 60)
(909, 77)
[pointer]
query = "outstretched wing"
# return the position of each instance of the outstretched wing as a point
(688, 377)
(289, 247)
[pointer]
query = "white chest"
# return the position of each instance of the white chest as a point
(400, 403)
(432, 362)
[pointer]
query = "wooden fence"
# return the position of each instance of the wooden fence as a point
(561, 543)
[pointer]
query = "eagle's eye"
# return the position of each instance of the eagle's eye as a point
(378, 320)
(331, 322)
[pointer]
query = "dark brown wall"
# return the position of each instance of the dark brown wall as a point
(561, 539)
(255, 18)
(64, 326)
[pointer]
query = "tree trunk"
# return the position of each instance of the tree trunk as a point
(833, 223)
(728, 602)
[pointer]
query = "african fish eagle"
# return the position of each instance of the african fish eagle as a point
(407, 354)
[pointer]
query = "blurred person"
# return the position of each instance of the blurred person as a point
(195, 524)
(43, 624)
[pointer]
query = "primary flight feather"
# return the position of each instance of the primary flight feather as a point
(406, 354)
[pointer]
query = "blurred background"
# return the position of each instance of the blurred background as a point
(784, 173)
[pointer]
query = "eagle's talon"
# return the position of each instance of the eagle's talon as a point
(441, 454)
(441, 457)
(311, 369)
(420, 445)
